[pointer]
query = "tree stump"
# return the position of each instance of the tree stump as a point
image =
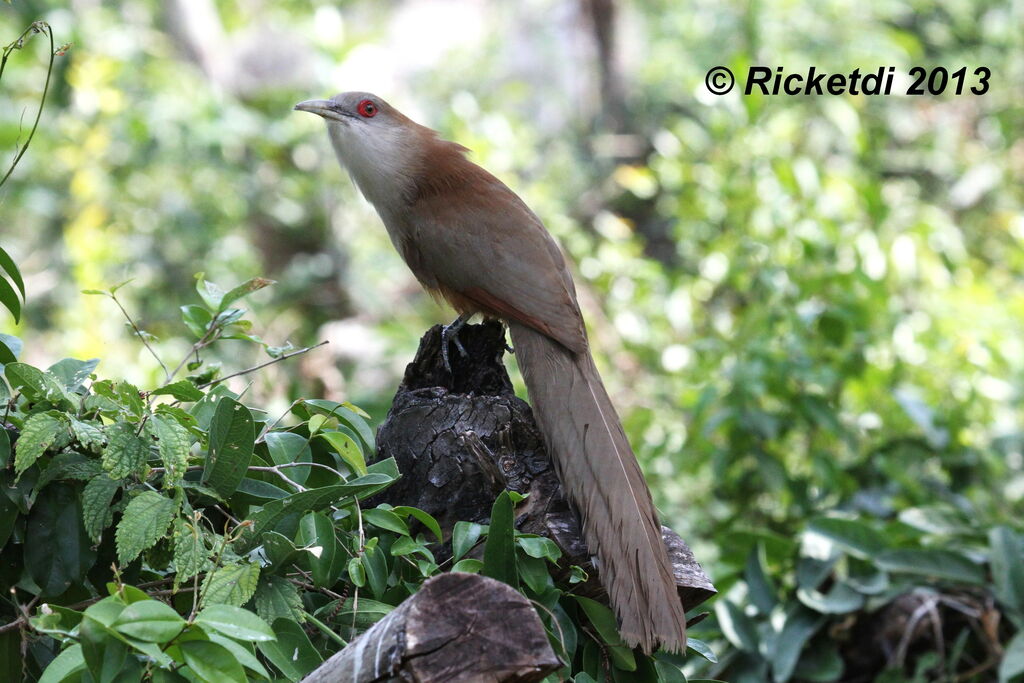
(460, 438)
(458, 627)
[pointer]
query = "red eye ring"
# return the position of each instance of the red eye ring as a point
(367, 109)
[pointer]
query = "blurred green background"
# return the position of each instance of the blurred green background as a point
(799, 304)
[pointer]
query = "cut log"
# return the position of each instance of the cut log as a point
(457, 627)
(460, 438)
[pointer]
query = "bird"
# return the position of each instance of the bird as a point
(472, 241)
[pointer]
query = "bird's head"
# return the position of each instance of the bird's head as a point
(373, 140)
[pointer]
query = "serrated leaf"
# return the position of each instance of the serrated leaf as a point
(72, 373)
(38, 434)
(232, 584)
(150, 621)
(190, 555)
(144, 522)
(173, 443)
(277, 597)
(232, 437)
(235, 622)
(88, 434)
(96, 512)
(183, 390)
(36, 384)
(129, 397)
(125, 453)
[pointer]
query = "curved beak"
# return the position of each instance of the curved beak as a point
(325, 108)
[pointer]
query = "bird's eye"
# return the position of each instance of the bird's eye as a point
(367, 108)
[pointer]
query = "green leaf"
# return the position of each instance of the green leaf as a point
(150, 621)
(736, 626)
(857, 538)
(376, 566)
(8, 265)
(9, 298)
(174, 443)
(183, 390)
(291, 653)
(500, 550)
(72, 373)
(1012, 665)
(125, 453)
(941, 564)
(424, 518)
(316, 533)
(346, 447)
(386, 519)
(96, 511)
(760, 589)
(242, 290)
(344, 413)
(701, 648)
(356, 573)
(197, 319)
(286, 448)
(470, 565)
(144, 522)
(59, 553)
(242, 653)
(232, 584)
(841, 599)
(540, 547)
(212, 662)
(464, 537)
(276, 598)
(604, 621)
(800, 625)
(235, 622)
(5, 449)
(314, 499)
(6, 353)
(1007, 562)
(190, 555)
(209, 292)
(232, 437)
(13, 345)
(36, 385)
(65, 665)
(89, 435)
(38, 434)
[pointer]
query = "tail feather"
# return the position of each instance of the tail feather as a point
(600, 474)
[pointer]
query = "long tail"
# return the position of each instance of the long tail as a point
(600, 473)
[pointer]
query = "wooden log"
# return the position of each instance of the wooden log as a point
(460, 438)
(457, 627)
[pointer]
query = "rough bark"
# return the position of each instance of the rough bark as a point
(458, 627)
(460, 438)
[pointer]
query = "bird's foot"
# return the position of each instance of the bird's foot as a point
(450, 333)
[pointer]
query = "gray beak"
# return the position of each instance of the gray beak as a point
(325, 108)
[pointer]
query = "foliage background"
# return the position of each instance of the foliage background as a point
(801, 305)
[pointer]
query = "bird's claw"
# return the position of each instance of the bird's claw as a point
(450, 333)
